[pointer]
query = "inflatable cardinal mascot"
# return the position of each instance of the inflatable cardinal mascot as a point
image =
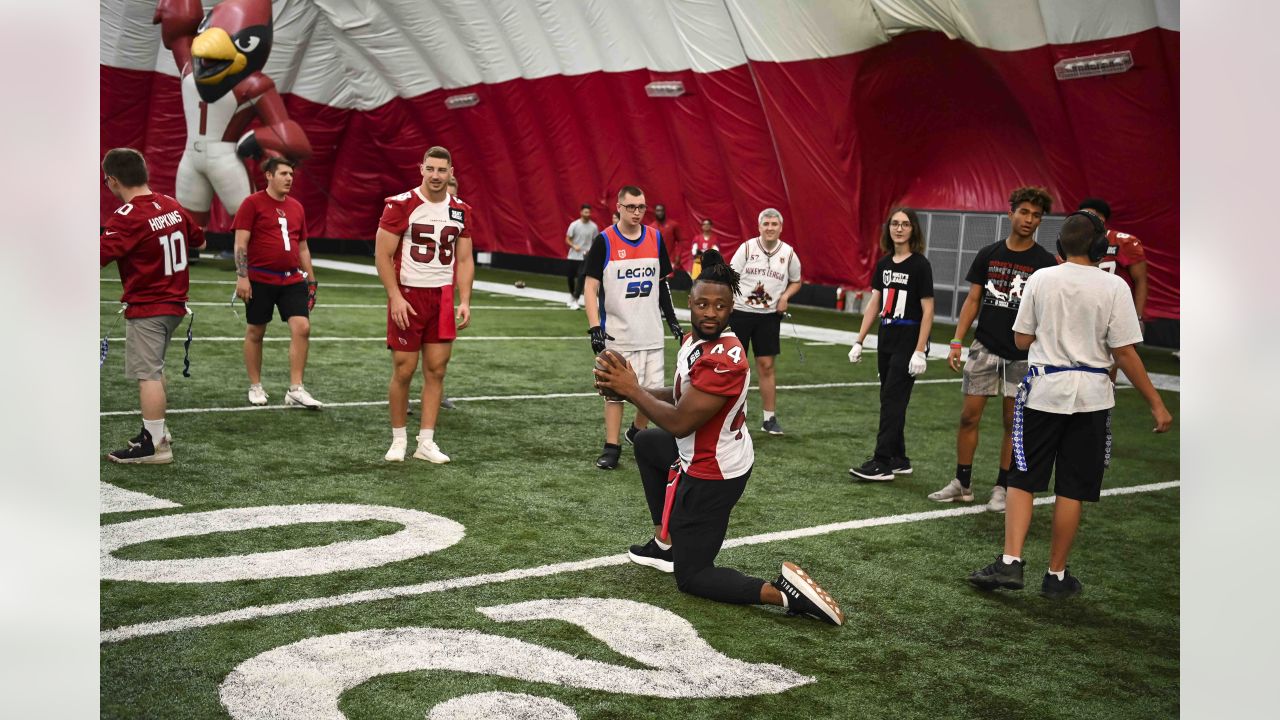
(223, 91)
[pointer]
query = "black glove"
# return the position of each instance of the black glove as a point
(311, 294)
(248, 147)
(598, 336)
(676, 332)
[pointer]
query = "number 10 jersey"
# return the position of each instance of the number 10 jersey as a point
(428, 235)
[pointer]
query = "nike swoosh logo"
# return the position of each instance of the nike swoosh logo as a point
(721, 372)
(109, 232)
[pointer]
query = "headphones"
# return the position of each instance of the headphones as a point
(1098, 245)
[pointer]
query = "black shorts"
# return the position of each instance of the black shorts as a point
(758, 329)
(291, 299)
(1075, 445)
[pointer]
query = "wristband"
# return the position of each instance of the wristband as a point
(955, 342)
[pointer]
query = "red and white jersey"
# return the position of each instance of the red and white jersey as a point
(721, 448)
(428, 233)
(148, 239)
(277, 230)
(1123, 250)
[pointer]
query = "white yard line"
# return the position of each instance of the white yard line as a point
(262, 611)
(486, 398)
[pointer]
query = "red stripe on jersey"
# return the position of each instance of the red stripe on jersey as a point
(621, 248)
(886, 308)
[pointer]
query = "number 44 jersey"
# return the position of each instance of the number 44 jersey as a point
(148, 239)
(428, 232)
(721, 448)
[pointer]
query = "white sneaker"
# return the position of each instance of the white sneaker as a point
(997, 500)
(953, 492)
(397, 451)
(572, 305)
(257, 396)
(428, 450)
(302, 398)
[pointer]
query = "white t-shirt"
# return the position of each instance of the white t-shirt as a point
(765, 275)
(583, 234)
(1077, 313)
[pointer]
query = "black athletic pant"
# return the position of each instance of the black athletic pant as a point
(575, 276)
(895, 392)
(699, 521)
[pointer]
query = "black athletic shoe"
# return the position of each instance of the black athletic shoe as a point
(806, 597)
(900, 466)
(447, 404)
(650, 555)
(631, 434)
(771, 426)
(998, 575)
(873, 470)
(1056, 589)
(608, 459)
(145, 452)
(136, 440)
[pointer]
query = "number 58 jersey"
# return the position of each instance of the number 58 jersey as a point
(428, 236)
(721, 448)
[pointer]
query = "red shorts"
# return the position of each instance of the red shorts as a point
(433, 323)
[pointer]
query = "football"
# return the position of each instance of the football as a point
(520, 283)
(608, 395)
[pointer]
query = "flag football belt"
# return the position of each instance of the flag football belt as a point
(898, 321)
(1020, 404)
(105, 346)
(277, 273)
(673, 482)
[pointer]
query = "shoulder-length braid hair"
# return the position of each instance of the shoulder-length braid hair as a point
(915, 243)
(716, 270)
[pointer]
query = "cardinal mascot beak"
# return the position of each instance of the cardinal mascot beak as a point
(217, 56)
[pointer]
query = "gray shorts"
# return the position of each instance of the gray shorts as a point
(983, 371)
(145, 340)
(648, 367)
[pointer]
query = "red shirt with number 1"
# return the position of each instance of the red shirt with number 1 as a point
(277, 229)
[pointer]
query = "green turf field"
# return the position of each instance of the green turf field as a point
(918, 641)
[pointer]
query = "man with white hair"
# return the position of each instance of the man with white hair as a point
(770, 274)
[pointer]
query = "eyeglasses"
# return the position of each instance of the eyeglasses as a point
(634, 208)
(900, 224)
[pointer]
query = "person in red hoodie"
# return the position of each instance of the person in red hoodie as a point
(147, 238)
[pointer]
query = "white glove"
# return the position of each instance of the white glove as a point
(855, 353)
(917, 364)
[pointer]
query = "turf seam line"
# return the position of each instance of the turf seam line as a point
(161, 627)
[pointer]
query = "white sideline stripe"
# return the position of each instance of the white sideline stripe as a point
(127, 632)
(487, 398)
(380, 306)
(377, 338)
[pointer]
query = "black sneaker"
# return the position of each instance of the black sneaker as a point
(1056, 589)
(900, 466)
(653, 556)
(608, 459)
(136, 440)
(771, 426)
(806, 597)
(873, 470)
(146, 452)
(447, 404)
(631, 434)
(998, 575)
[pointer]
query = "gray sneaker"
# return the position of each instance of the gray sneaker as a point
(996, 504)
(771, 426)
(953, 492)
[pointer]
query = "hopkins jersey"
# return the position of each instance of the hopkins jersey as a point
(428, 236)
(765, 275)
(630, 274)
(721, 448)
(148, 239)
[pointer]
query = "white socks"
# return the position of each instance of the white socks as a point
(428, 434)
(1009, 559)
(399, 434)
(156, 428)
(1061, 574)
(768, 415)
(660, 544)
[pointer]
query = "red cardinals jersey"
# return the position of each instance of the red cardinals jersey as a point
(721, 448)
(148, 239)
(277, 230)
(428, 233)
(1123, 250)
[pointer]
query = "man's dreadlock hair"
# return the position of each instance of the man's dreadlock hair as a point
(716, 270)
